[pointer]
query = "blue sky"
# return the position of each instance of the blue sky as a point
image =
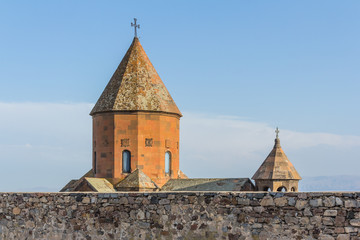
(292, 64)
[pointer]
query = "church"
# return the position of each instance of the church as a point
(135, 140)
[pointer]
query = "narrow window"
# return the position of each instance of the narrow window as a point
(168, 163)
(293, 189)
(126, 161)
(94, 162)
(282, 189)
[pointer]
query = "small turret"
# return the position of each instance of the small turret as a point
(277, 173)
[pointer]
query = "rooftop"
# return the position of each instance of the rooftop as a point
(209, 184)
(135, 86)
(276, 166)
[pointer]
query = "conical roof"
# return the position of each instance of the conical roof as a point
(276, 166)
(135, 86)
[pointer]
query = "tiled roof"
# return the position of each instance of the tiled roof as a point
(135, 86)
(136, 181)
(209, 184)
(276, 166)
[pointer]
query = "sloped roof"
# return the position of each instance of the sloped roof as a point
(182, 175)
(209, 184)
(100, 184)
(69, 187)
(136, 180)
(73, 184)
(135, 86)
(276, 166)
(90, 173)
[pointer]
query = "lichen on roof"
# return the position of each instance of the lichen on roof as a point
(277, 166)
(209, 184)
(135, 86)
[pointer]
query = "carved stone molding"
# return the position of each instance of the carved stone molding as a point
(148, 142)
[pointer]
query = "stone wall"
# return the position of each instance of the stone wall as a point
(180, 215)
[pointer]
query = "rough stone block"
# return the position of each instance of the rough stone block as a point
(244, 201)
(290, 219)
(257, 225)
(304, 221)
(316, 202)
(291, 201)
(330, 213)
(350, 229)
(355, 222)
(350, 203)
(328, 221)
(307, 212)
(16, 211)
(339, 230)
(329, 201)
(339, 221)
(124, 201)
(140, 215)
(302, 195)
(247, 209)
(343, 237)
(164, 201)
(326, 237)
(338, 201)
(267, 201)
(259, 209)
(280, 202)
(301, 204)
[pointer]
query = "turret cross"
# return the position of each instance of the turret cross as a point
(277, 132)
(135, 26)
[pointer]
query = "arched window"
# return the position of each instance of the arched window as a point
(126, 161)
(267, 189)
(293, 189)
(281, 189)
(168, 163)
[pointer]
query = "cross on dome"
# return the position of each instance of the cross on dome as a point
(135, 26)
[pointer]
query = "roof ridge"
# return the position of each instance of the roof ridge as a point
(122, 66)
(127, 60)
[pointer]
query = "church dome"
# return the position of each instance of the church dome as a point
(135, 86)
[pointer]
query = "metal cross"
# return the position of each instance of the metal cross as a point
(135, 26)
(277, 132)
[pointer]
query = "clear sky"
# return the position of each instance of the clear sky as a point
(236, 69)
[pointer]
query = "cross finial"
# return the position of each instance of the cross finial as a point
(277, 132)
(135, 26)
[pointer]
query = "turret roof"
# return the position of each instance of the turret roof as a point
(136, 180)
(276, 166)
(135, 86)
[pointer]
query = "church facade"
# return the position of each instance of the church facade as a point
(136, 140)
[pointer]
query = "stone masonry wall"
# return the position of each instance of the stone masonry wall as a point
(180, 215)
